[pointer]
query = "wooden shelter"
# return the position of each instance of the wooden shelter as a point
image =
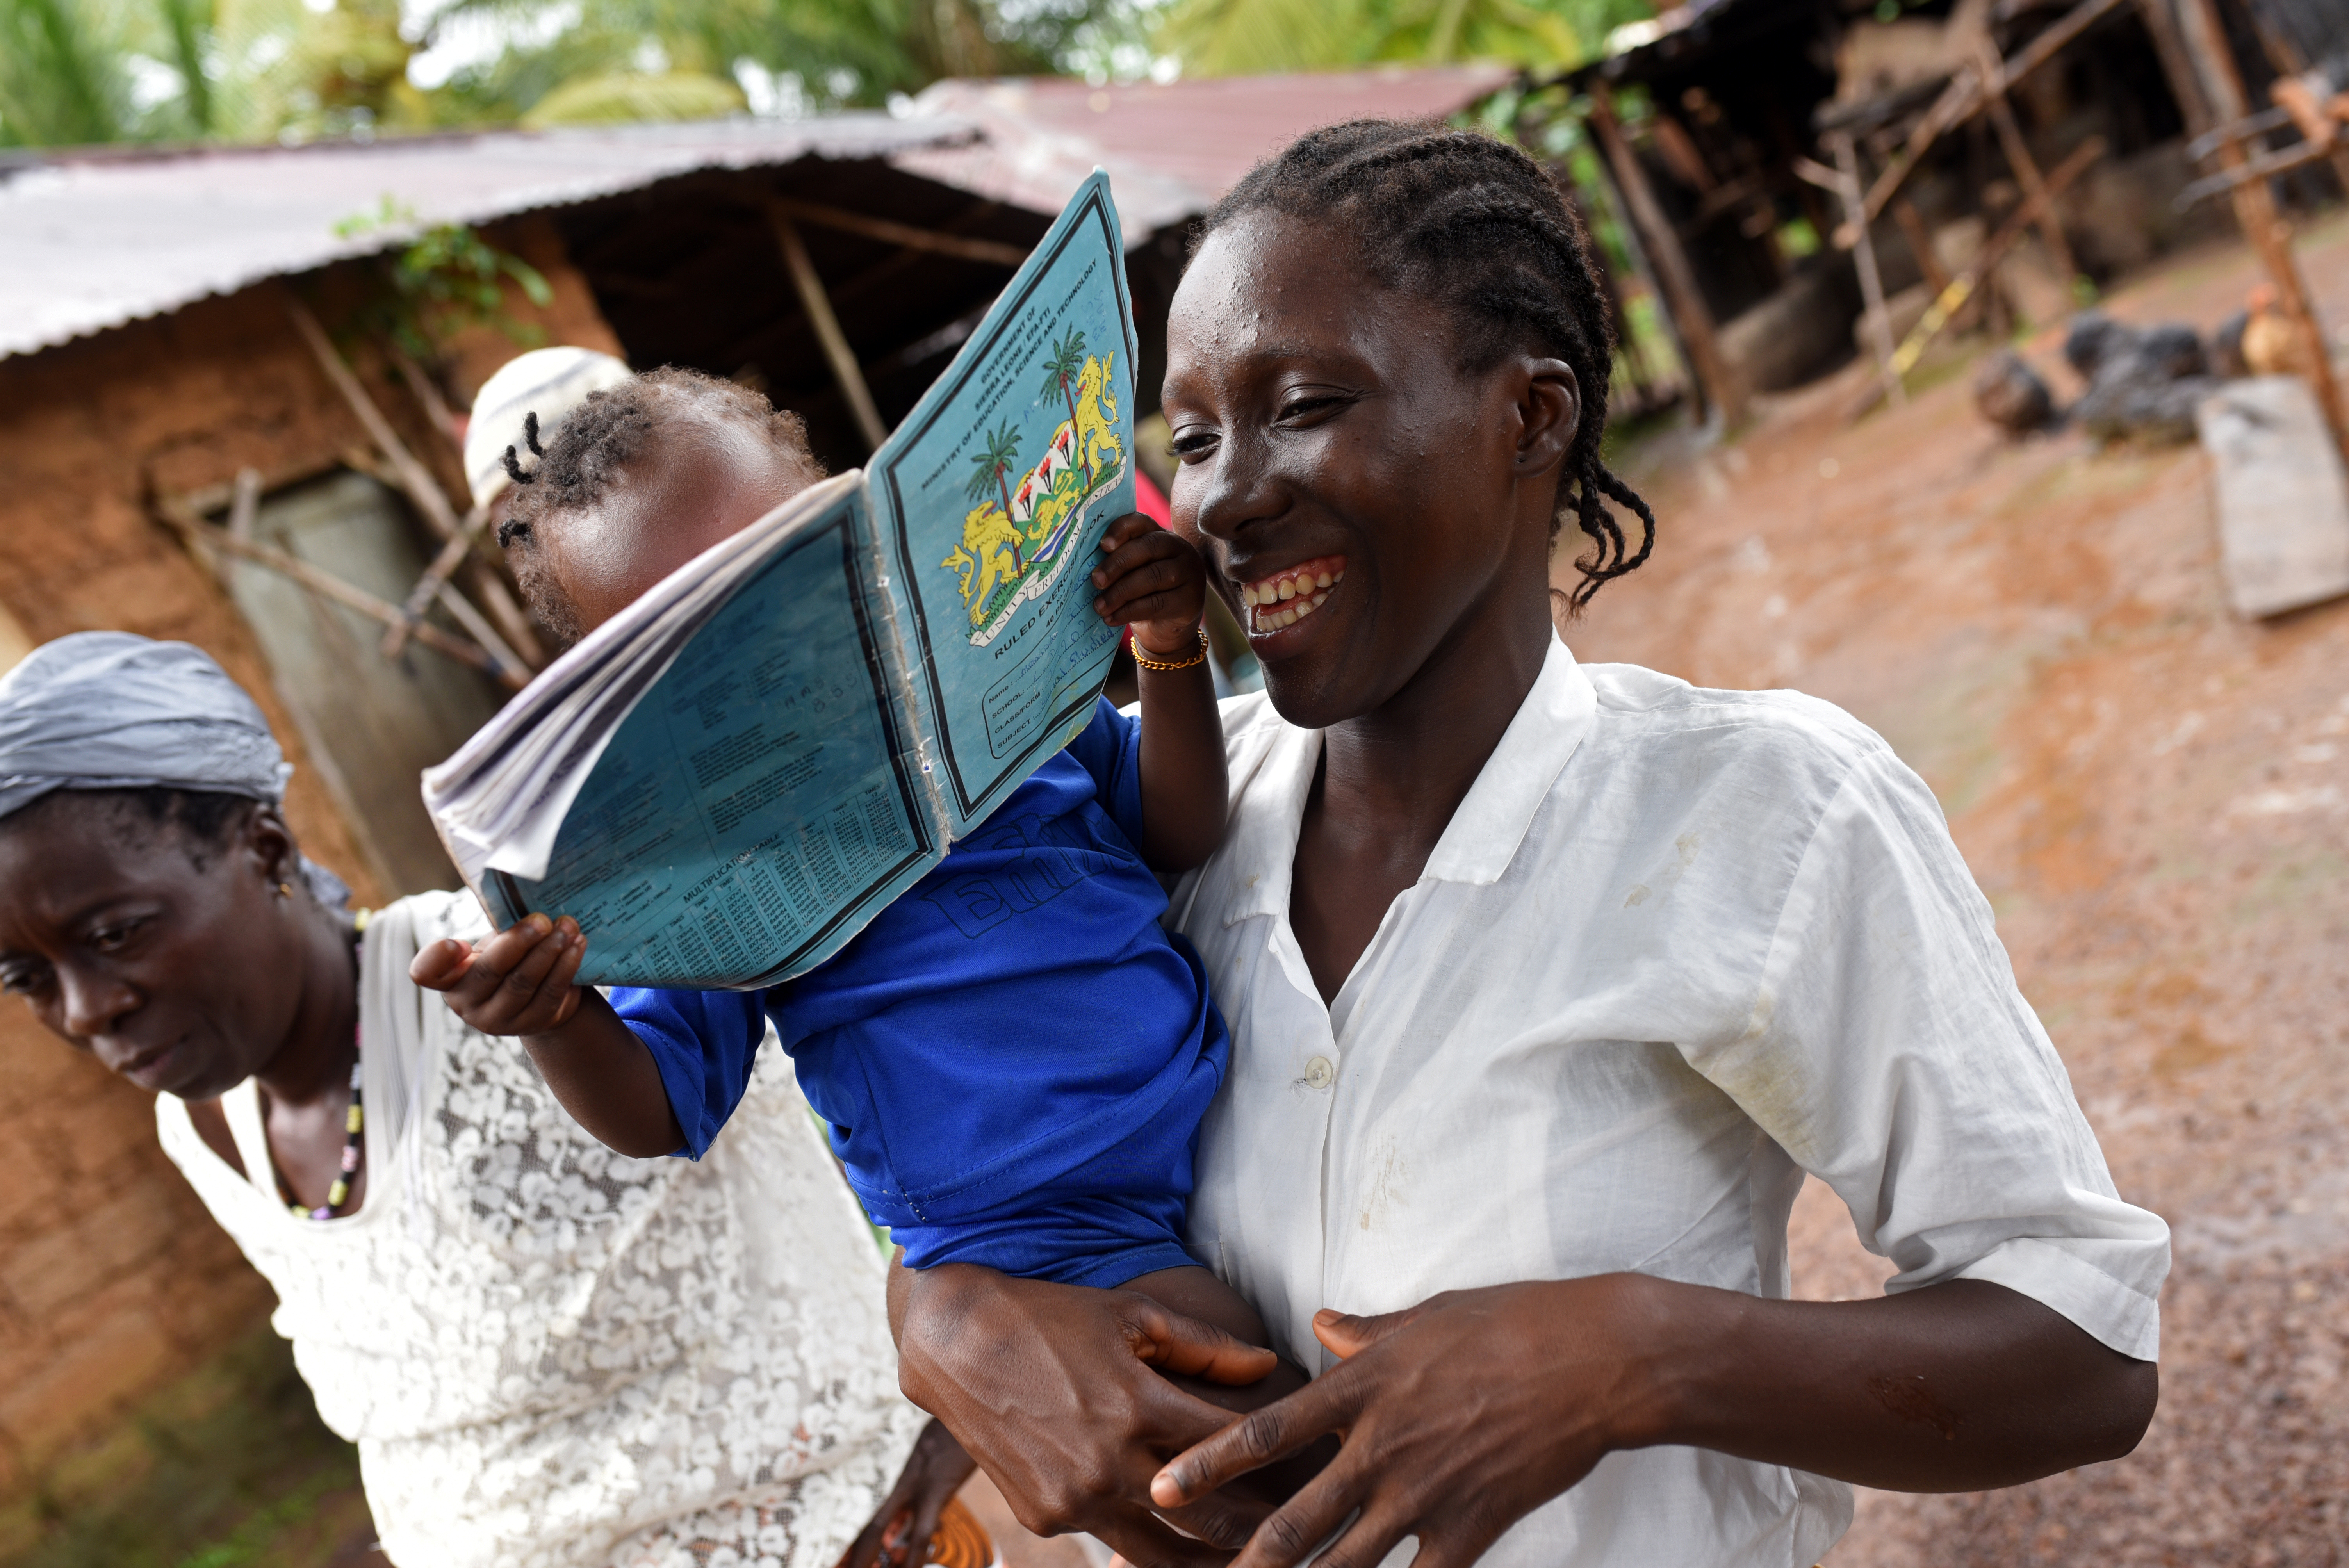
(1794, 168)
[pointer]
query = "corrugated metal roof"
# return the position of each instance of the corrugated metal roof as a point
(1171, 149)
(89, 241)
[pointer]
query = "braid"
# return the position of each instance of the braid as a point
(593, 447)
(1474, 225)
(596, 442)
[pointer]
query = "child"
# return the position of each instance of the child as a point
(1013, 1057)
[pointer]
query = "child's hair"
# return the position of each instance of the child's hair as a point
(597, 441)
(1472, 224)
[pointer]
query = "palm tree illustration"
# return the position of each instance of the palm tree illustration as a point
(1061, 372)
(1001, 456)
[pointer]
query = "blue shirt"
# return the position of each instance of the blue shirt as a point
(1013, 1057)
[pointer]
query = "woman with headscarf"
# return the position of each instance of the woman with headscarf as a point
(548, 1354)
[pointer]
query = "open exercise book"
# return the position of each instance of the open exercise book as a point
(727, 781)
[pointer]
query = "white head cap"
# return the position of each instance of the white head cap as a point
(548, 382)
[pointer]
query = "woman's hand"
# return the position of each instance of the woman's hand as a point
(1154, 581)
(1460, 1417)
(899, 1531)
(1464, 1414)
(1057, 1391)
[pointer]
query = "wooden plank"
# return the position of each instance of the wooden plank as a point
(836, 352)
(2050, 223)
(1871, 281)
(1920, 241)
(2283, 497)
(1953, 298)
(1964, 97)
(2255, 209)
(417, 483)
(175, 513)
(1681, 298)
(2161, 25)
(414, 478)
(994, 251)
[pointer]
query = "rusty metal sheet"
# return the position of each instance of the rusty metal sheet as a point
(90, 240)
(1171, 149)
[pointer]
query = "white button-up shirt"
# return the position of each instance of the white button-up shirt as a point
(1676, 948)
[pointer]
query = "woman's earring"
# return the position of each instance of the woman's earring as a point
(284, 889)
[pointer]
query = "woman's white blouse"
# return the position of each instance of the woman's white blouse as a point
(1676, 948)
(554, 1356)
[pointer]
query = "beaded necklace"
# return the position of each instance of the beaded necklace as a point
(353, 1121)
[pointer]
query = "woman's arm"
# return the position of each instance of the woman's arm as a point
(1468, 1412)
(1155, 581)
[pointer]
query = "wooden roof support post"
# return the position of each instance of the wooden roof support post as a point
(207, 539)
(2177, 65)
(1965, 96)
(993, 251)
(836, 352)
(2255, 208)
(1913, 229)
(2026, 166)
(1723, 397)
(1871, 281)
(420, 488)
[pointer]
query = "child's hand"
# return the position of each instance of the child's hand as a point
(518, 982)
(1154, 581)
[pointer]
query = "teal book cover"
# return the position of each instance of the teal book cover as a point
(726, 782)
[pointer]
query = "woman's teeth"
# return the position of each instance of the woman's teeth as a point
(1288, 597)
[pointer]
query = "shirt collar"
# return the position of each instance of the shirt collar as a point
(1272, 777)
(1484, 833)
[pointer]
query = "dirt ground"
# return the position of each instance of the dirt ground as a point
(2156, 798)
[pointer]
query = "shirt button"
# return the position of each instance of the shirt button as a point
(1318, 1072)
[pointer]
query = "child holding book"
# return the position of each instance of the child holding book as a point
(1013, 1057)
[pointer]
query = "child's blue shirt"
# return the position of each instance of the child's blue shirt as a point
(1013, 1057)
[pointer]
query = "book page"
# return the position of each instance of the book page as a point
(992, 497)
(763, 800)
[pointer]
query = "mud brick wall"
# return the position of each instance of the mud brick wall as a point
(113, 1281)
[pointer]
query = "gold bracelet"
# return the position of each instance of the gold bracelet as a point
(1145, 659)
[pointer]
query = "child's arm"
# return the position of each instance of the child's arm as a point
(1154, 581)
(519, 982)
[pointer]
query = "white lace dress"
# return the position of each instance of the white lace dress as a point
(554, 1356)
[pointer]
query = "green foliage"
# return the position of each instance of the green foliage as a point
(628, 97)
(63, 78)
(1065, 363)
(445, 280)
(999, 457)
(260, 70)
(1229, 38)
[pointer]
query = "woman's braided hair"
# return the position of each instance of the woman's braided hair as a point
(1474, 225)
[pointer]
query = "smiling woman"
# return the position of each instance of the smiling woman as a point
(1547, 984)
(549, 1356)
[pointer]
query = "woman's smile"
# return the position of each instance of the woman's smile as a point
(1279, 600)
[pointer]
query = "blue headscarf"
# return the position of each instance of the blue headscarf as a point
(108, 711)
